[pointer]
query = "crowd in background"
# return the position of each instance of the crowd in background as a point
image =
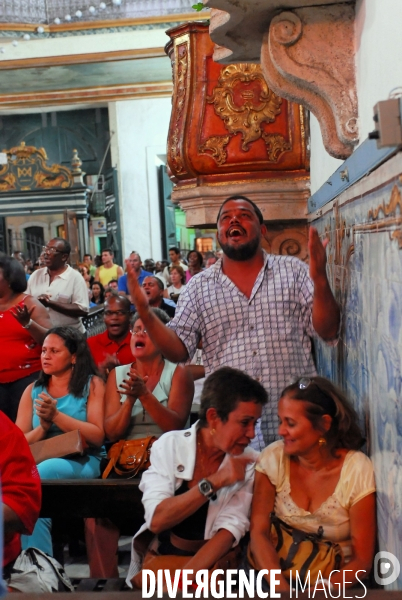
(252, 311)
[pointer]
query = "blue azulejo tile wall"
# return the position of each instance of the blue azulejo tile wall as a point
(364, 225)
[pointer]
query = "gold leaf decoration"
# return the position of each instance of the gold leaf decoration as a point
(216, 145)
(276, 145)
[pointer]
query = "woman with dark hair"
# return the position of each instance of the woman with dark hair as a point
(98, 293)
(316, 479)
(195, 261)
(197, 491)
(24, 322)
(67, 396)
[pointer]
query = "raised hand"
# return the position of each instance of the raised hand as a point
(110, 362)
(22, 313)
(137, 294)
(231, 472)
(318, 255)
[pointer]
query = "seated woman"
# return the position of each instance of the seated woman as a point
(316, 477)
(67, 396)
(190, 468)
(149, 397)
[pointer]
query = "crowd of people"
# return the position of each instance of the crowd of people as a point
(275, 446)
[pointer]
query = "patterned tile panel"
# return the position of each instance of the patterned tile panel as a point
(365, 264)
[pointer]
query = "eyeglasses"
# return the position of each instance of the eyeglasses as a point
(118, 313)
(51, 250)
(137, 331)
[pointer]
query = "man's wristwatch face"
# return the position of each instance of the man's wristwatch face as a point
(206, 488)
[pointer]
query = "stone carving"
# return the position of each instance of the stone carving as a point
(290, 243)
(243, 100)
(181, 68)
(26, 169)
(308, 56)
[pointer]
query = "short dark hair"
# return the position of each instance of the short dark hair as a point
(175, 249)
(239, 197)
(123, 299)
(66, 244)
(113, 281)
(158, 281)
(322, 397)
(87, 254)
(13, 273)
(76, 343)
(225, 388)
(107, 250)
(162, 316)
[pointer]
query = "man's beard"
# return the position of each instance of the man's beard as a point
(243, 252)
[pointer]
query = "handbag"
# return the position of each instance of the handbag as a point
(59, 446)
(128, 457)
(36, 572)
(306, 553)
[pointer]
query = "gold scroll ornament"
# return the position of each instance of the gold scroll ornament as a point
(243, 100)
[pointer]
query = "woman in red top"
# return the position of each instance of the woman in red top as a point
(23, 325)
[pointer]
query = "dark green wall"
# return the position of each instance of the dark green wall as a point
(59, 133)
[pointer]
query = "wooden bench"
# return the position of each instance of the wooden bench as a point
(72, 498)
(68, 501)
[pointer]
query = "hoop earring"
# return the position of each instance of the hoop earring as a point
(322, 441)
(72, 366)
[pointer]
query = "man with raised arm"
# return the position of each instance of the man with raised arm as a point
(253, 311)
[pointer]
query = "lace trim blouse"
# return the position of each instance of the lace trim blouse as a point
(355, 482)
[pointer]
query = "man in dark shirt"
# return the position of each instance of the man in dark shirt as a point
(153, 287)
(112, 347)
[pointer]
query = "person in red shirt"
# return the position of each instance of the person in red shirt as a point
(112, 347)
(20, 488)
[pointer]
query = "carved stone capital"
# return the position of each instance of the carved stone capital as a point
(307, 56)
(281, 200)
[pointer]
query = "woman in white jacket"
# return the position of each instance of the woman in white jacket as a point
(197, 491)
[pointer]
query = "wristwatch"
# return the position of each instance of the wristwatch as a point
(206, 489)
(28, 325)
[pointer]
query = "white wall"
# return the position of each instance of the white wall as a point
(378, 70)
(322, 165)
(141, 128)
(378, 55)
